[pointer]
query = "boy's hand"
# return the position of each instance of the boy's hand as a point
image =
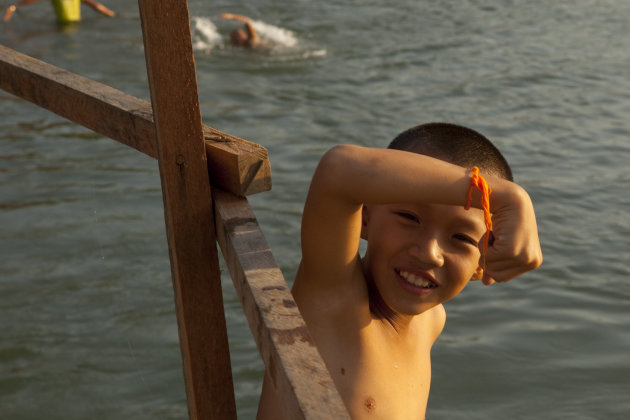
(514, 247)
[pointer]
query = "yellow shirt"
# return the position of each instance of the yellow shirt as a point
(67, 10)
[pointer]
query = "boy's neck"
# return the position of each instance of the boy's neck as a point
(381, 311)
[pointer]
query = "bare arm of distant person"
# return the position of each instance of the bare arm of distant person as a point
(11, 9)
(251, 32)
(99, 8)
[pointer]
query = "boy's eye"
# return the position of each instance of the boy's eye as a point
(408, 216)
(465, 238)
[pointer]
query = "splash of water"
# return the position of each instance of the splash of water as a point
(206, 35)
(274, 35)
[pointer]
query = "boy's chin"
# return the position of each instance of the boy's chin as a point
(392, 308)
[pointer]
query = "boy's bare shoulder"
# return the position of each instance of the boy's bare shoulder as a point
(435, 321)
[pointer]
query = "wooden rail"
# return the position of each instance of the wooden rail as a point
(191, 157)
(293, 362)
(237, 165)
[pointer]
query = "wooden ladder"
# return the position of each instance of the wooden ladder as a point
(205, 176)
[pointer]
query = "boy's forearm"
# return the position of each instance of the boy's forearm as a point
(378, 176)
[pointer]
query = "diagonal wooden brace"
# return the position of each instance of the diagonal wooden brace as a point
(235, 165)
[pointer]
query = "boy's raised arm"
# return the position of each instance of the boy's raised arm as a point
(350, 176)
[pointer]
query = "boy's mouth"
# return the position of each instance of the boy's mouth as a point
(418, 281)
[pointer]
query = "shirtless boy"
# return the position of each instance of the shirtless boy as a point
(375, 318)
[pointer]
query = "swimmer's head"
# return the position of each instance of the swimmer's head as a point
(239, 37)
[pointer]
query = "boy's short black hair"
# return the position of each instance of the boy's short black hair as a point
(454, 144)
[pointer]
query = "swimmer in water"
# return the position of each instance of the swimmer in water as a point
(246, 37)
(64, 12)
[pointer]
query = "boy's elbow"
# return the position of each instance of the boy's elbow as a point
(339, 152)
(332, 175)
(335, 160)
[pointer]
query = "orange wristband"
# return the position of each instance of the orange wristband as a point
(478, 182)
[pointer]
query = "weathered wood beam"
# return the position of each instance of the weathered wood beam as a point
(237, 165)
(188, 209)
(295, 366)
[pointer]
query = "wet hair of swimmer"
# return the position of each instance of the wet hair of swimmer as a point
(239, 37)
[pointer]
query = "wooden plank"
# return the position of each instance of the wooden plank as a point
(238, 166)
(188, 209)
(297, 370)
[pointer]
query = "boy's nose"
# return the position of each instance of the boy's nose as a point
(428, 251)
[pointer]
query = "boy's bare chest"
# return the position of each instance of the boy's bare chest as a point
(376, 378)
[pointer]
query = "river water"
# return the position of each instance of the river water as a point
(87, 322)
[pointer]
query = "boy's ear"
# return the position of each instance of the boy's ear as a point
(364, 221)
(478, 274)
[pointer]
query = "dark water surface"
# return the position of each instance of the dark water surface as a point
(87, 323)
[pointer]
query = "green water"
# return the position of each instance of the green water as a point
(87, 323)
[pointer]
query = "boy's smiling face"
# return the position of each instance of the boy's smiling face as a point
(420, 255)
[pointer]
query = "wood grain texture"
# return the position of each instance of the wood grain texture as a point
(237, 165)
(295, 366)
(188, 209)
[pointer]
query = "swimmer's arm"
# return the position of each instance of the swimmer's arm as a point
(349, 176)
(234, 16)
(251, 32)
(99, 8)
(11, 9)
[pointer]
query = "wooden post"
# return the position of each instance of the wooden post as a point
(188, 209)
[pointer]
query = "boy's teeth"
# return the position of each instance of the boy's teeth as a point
(416, 281)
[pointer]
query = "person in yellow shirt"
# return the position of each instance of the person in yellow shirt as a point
(66, 10)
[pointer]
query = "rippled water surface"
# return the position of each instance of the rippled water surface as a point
(87, 319)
